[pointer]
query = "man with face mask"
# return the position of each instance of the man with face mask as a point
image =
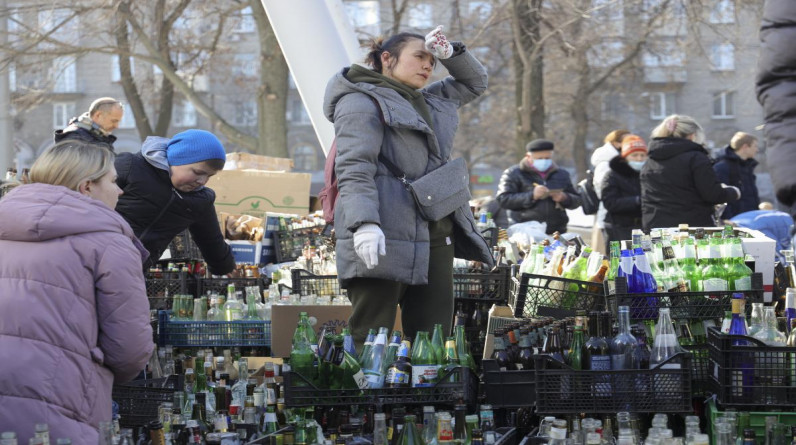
(537, 190)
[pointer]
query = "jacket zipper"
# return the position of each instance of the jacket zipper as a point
(160, 215)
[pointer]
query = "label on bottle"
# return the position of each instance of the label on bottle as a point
(259, 398)
(600, 363)
(424, 375)
(374, 378)
(397, 377)
(620, 361)
(360, 380)
(714, 285)
(743, 283)
(270, 417)
(270, 396)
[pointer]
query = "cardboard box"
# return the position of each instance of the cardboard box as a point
(248, 161)
(254, 192)
(285, 318)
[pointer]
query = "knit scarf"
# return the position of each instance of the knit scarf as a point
(359, 73)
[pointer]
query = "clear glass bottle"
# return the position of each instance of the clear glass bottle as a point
(665, 344)
(429, 425)
(375, 370)
(379, 429)
(233, 309)
(622, 345)
(757, 319)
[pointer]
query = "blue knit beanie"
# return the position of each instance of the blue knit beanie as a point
(193, 146)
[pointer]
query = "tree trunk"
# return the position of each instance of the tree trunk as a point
(273, 90)
(529, 72)
(580, 117)
(134, 101)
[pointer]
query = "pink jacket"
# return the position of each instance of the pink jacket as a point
(74, 317)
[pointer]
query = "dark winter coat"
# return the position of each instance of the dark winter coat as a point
(80, 131)
(678, 185)
(776, 91)
(622, 199)
(732, 170)
(370, 193)
(515, 193)
(157, 212)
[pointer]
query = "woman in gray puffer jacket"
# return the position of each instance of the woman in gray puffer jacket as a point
(386, 253)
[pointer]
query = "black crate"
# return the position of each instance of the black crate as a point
(508, 389)
(139, 400)
(700, 369)
(482, 285)
(542, 295)
(289, 244)
(160, 291)
(219, 285)
(562, 390)
(183, 248)
(747, 373)
(209, 334)
(683, 305)
(443, 393)
(307, 283)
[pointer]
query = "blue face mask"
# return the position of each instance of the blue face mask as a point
(636, 165)
(542, 164)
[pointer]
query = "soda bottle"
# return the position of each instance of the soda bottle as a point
(424, 363)
(399, 373)
(374, 370)
(739, 275)
(463, 348)
(451, 361)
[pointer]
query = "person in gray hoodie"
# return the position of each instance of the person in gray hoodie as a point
(387, 255)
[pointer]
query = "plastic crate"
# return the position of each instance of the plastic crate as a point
(289, 244)
(562, 390)
(508, 389)
(541, 295)
(219, 285)
(161, 290)
(212, 333)
(482, 285)
(683, 305)
(508, 436)
(183, 247)
(306, 283)
(757, 420)
(139, 400)
(747, 373)
(463, 391)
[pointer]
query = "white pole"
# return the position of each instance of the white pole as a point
(317, 41)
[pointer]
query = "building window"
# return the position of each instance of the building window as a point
(305, 157)
(58, 25)
(245, 22)
(612, 107)
(245, 65)
(364, 15)
(420, 16)
(722, 57)
(664, 53)
(297, 113)
(116, 70)
(723, 11)
(62, 112)
(128, 118)
(605, 54)
(723, 107)
(246, 114)
(610, 15)
(184, 114)
(661, 105)
(65, 74)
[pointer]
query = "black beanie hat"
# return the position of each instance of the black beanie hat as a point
(539, 145)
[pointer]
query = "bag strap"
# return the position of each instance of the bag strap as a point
(397, 172)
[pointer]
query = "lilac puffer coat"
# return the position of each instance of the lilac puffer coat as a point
(74, 317)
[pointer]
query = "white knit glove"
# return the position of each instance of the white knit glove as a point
(438, 45)
(737, 190)
(369, 244)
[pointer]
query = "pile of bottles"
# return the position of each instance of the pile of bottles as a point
(586, 343)
(735, 427)
(332, 362)
(626, 431)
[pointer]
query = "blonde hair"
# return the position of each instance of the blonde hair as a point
(71, 163)
(679, 126)
(740, 139)
(616, 136)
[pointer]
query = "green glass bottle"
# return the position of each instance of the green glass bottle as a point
(739, 275)
(703, 252)
(614, 253)
(302, 357)
(575, 357)
(714, 276)
(575, 271)
(463, 348)
(437, 341)
(353, 377)
(675, 278)
(689, 267)
(451, 361)
(270, 424)
(424, 361)
(409, 434)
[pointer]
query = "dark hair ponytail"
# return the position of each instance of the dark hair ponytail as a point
(394, 45)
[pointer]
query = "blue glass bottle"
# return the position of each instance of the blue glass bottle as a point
(626, 270)
(348, 343)
(647, 283)
(741, 374)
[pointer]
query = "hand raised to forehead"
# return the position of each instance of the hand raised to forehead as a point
(437, 44)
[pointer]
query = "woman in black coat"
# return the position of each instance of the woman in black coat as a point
(678, 184)
(621, 193)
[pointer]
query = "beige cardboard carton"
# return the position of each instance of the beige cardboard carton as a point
(248, 161)
(254, 192)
